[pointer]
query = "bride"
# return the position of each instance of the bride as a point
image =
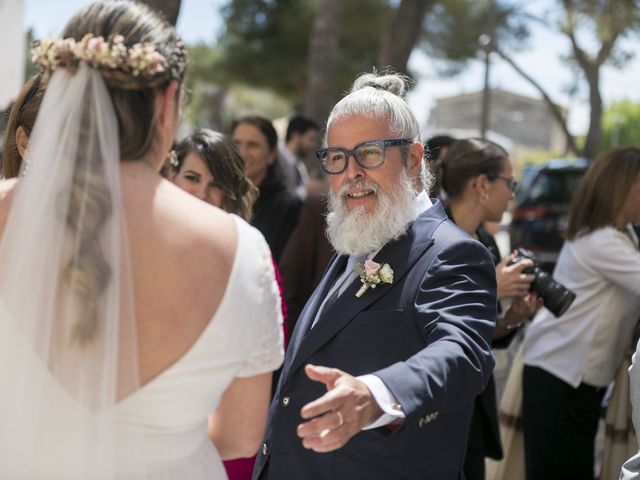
(129, 310)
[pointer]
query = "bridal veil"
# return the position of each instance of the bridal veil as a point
(67, 326)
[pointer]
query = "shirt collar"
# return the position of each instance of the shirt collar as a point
(422, 202)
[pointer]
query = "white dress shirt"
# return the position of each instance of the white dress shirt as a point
(587, 343)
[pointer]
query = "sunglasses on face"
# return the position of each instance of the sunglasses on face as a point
(512, 183)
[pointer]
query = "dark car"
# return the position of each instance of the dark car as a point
(539, 220)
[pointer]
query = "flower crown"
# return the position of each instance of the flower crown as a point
(140, 60)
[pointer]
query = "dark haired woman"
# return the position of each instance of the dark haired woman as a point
(570, 361)
(477, 178)
(207, 165)
(276, 211)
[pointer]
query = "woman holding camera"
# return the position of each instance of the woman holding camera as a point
(570, 361)
(477, 177)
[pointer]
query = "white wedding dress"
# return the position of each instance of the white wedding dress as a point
(161, 428)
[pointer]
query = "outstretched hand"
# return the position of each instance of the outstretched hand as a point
(339, 414)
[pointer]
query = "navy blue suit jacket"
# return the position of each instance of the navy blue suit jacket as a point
(427, 336)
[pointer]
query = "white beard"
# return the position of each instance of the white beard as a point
(358, 232)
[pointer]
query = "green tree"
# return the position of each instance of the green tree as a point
(453, 29)
(213, 99)
(403, 34)
(620, 125)
(30, 68)
(324, 52)
(205, 92)
(461, 30)
(601, 23)
(593, 27)
(266, 42)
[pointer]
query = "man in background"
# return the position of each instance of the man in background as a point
(303, 137)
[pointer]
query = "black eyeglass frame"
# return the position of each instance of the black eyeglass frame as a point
(512, 183)
(393, 142)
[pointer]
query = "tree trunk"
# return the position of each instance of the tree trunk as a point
(168, 8)
(592, 142)
(555, 110)
(322, 88)
(611, 24)
(403, 34)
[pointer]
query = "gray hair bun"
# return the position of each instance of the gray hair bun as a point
(391, 82)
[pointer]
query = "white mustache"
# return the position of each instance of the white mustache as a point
(360, 184)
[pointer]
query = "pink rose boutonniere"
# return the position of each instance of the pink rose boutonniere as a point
(371, 274)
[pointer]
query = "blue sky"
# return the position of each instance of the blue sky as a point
(200, 20)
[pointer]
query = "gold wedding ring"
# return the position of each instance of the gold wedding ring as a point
(340, 419)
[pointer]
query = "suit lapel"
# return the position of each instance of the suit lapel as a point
(400, 255)
(311, 308)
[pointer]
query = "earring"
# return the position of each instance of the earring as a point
(484, 196)
(25, 168)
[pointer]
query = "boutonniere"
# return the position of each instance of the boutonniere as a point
(371, 274)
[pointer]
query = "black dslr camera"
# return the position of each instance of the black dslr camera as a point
(557, 298)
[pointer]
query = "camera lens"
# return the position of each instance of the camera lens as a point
(557, 298)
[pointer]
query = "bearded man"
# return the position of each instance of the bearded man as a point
(393, 346)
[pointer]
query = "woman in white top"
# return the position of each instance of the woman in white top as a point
(129, 309)
(569, 361)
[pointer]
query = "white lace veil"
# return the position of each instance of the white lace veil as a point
(67, 329)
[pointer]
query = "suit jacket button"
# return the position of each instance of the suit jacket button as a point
(265, 449)
(285, 400)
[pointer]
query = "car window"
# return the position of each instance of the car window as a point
(555, 186)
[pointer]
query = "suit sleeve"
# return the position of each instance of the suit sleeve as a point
(454, 311)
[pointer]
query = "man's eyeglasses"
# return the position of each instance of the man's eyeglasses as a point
(511, 182)
(368, 155)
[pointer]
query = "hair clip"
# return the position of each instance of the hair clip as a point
(172, 158)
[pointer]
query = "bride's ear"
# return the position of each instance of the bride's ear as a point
(22, 139)
(167, 106)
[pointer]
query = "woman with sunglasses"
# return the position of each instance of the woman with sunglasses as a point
(22, 117)
(477, 177)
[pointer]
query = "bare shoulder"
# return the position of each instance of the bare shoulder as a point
(194, 223)
(7, 192)
(6, 188)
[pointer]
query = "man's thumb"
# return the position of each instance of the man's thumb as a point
(325, 375)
